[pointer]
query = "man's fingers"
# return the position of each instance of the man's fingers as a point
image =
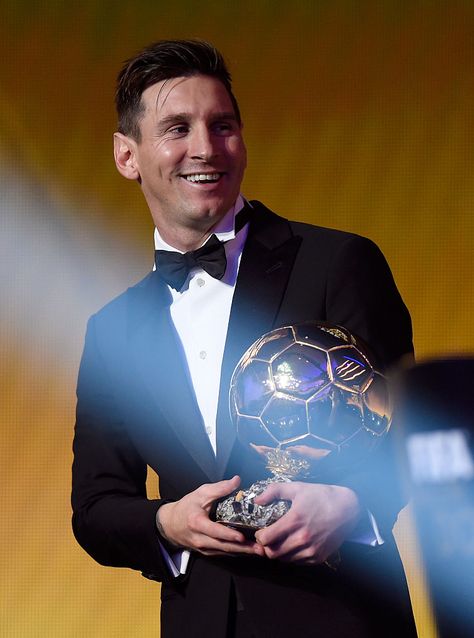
(217, 538)
(276, 533)
(234, 549)
(299, 555)
(275, 492)
(220, 532)
(212, 491)
(316, 525)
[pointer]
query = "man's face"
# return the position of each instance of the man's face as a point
(191, 157)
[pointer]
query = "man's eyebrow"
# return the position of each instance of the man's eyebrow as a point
(225, 115)
(175, 118)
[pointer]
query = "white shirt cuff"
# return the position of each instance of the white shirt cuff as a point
(177, 562)
(367, 533)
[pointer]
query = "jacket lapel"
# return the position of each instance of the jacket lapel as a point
(265, 268)
(159, 361)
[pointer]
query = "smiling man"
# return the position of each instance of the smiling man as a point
(190, 156)
(155, 373)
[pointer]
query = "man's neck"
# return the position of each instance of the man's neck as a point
(186, 239)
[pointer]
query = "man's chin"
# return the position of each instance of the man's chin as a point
(211, 210)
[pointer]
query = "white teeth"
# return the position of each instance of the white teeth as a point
(203, 177)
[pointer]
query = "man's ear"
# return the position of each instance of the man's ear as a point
(125, 156)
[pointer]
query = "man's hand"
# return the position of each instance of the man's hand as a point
(186, 523)
(320, 518)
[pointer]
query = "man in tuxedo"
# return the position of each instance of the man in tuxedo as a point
(155, 373)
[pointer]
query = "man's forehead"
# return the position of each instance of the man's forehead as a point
(160, 92)
(162, 96)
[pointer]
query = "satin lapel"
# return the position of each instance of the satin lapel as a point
(267, 261)
(160, 362)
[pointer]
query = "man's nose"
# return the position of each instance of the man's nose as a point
(202, 144)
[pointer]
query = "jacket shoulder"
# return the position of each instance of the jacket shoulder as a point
(330, 237)
(119, 304)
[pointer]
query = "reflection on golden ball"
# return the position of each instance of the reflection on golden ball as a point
(307, 391)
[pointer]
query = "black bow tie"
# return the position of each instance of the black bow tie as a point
(174, 267)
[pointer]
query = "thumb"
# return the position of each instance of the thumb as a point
(221, 488)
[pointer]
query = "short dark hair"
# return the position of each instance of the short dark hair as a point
(160, 61)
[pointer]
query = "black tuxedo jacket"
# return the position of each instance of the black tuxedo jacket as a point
(136, 408)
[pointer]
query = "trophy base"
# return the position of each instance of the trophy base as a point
(241, 513)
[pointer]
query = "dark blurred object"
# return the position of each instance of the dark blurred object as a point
(435, 415)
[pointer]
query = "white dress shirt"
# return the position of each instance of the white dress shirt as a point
(200, 314)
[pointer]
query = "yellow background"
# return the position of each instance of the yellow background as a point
(358, 115)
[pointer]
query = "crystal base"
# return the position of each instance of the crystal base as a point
(240, 512)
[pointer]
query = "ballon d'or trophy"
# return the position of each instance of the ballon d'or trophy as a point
(308, 401)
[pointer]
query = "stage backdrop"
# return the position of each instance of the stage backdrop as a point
(358, 115)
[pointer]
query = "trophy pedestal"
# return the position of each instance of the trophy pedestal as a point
(240, 512)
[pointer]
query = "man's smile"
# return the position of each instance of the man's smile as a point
(203, 177)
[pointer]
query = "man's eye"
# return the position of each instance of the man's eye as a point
(180, 129)
(223, 128)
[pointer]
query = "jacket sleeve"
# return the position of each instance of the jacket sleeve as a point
(362, 296)
(112, 518)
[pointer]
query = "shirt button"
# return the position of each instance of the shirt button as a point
(209, 431)
(202, 354)
(200, 282)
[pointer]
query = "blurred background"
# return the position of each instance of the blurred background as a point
(358, 115)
